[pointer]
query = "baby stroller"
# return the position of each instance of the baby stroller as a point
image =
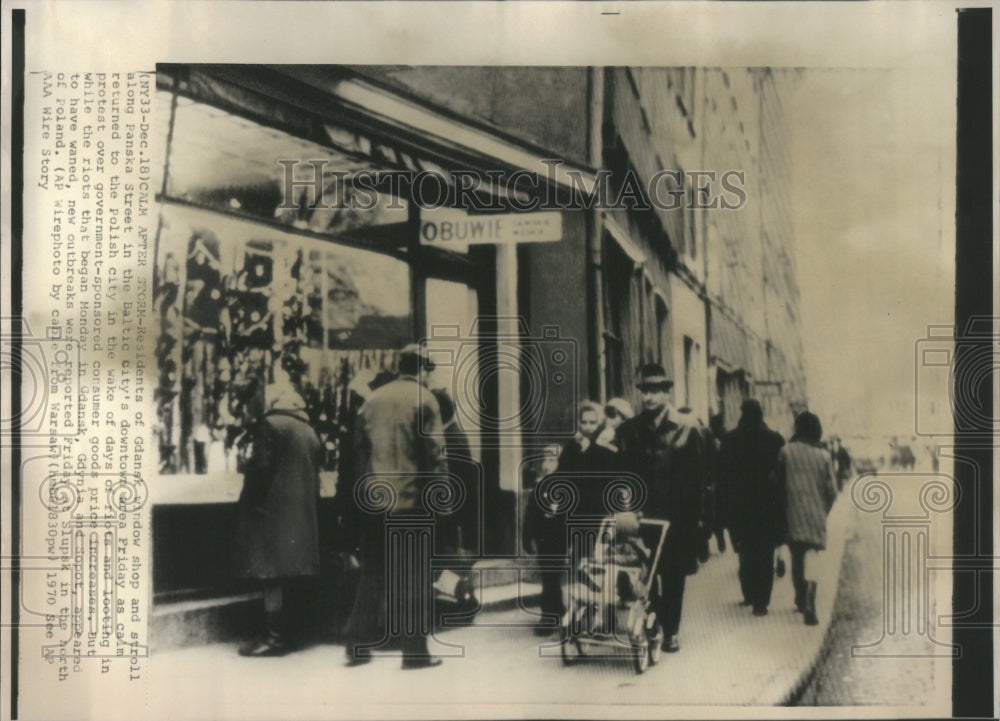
(610, 607)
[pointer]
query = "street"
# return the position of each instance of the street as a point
(903, 674)
(727, 657)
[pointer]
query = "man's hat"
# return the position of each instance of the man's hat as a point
(653, 376)
(418, 352)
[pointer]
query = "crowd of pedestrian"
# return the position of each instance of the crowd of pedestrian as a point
(701, 480)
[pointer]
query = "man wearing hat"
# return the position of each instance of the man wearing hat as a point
(398, 445)
(665, 449)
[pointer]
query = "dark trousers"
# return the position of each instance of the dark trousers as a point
(552, 594)
(393, 604)
(757, 573)
(675, 561)
(672, 601)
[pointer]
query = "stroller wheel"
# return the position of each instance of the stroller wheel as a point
(571, 651)
(654, 632)
(642, 653)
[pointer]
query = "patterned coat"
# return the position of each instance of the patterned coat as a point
(806, 472)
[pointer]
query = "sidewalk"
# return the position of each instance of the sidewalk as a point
(728, 657)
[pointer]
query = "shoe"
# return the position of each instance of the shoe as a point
(745, 602)
(411, 664)
(779, 569)
(269, 646)
(810, 609)
(357, 659)
(760, 611)
(671, 644)
(800, 596)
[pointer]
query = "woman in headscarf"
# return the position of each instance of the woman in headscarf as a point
(277, 533)
(616, 412)
(806, 472)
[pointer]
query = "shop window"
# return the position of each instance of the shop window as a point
(234, 301)
(689, 350)
(229, 163)
(622, 336)
(661, 328)
(452, 341)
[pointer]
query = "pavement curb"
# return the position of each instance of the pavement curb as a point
(839, 526)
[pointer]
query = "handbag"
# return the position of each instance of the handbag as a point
(781, 564)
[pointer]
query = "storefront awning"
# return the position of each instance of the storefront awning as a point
(364, 122)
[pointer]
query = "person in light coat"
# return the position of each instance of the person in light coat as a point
(805, 470)
(398, 453)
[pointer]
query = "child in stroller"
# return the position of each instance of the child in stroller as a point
(610, 602)
(620, 553)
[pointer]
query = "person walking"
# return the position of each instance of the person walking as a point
(715, 494)
(277, 533)
(398, 444)
(460, 531)
(841, 461)
(747, 459)
(588, 465)
(805, 471)
(666, 450)
(584, 466)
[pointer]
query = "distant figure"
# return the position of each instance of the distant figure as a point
(901, 456)
(841, 461)
(747, 461)
(806, 472)
(715, 502)
(933, 452)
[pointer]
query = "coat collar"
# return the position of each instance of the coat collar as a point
(291, 413)
(662, 421)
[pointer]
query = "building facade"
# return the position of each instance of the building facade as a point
(268, 256)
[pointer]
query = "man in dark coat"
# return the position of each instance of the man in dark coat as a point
(398, 452)
(746, 467)
(666, 450)
(277, 534)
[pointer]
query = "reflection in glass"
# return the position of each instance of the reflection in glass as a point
(224, 161)
(231, 305)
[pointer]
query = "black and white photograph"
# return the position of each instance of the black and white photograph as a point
(492, 360)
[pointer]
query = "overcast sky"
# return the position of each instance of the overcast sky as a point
(874, 175)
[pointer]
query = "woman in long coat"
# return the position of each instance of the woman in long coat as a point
(806, 471)
(277, 534)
